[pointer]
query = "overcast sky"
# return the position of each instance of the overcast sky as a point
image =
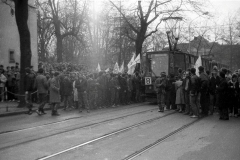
(221, 8)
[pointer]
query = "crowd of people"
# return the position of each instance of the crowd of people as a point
(198, 96)
(74, 85)
(79, 88)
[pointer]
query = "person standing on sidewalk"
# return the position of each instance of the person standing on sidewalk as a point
(3, 81)
(81, 85)
(194, 88)
(204, 87)
(29, 89)
(161, 84)
(55, 99)
(42, 88)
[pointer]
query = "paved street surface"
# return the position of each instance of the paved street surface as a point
(135, 131)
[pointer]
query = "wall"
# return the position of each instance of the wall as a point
(9, 36)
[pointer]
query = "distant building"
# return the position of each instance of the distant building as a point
(213, 50)
(198, 46)
(9, 36)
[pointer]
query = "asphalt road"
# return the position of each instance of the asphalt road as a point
(129, 132)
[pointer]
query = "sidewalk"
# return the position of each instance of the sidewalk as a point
(10, 108)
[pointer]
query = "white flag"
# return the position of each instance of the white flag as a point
(116, 68)
(198, 64)
(131, 61)
(131, 69)
(98, 68)
(121, 70)
(137, 60)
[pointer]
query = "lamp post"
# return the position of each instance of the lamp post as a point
(205, 13)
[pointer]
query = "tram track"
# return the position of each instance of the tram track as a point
(159, 141)
(73, 129)
(122, 130)
(62, 121)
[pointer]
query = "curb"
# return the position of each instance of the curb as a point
(22, 112)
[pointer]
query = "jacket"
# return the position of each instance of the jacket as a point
(29, 82)
(204, 82)
(161, 84)
(213, 83)
(81, 85)
(41, 84)
(194, 87)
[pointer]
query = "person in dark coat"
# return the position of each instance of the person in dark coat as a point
(161, 84)
(222, 100)
(41, 84)
(214, 82)
(54, 90)
(29, 87)
(67, 91)
(186, 91)
(82, 85)
(204, 86)
(194, 89)
(137, 85)
(233, 87)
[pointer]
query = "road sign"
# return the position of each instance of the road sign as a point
(148, 80)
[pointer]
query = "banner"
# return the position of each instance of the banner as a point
(198, 64)
(116, 68)
(131, 61)
(121, 70)
(98, 68)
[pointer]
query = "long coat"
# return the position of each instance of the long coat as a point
(179, 92)
(54, 90)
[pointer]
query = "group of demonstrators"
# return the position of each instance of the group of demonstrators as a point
(194, 93)
(79, 88)
(199, 96)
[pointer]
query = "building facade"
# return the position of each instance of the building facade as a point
(9, 36)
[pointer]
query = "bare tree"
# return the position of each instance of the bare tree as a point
(157, 10)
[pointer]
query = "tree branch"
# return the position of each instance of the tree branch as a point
(125, 18)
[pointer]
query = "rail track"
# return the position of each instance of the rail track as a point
(69, 130)
(61, 121)
(105, 136)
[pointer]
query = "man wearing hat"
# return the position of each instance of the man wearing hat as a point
(161, 84)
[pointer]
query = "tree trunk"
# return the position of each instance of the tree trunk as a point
(21, 15)
(59, 48)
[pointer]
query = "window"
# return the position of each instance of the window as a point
(11, 56)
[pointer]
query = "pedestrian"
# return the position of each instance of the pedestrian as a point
(186, 91)
(3, 81)
(75, 92)
(222, 90)
(54, 90)
(161, 84)
(233, 95)
(67, 91)
(41, 84)
(90, 91)
(137, 84)
(81, 85)
(179, 94)
(214, 82)
(204, 93)
(29, 88)
(194, 88)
